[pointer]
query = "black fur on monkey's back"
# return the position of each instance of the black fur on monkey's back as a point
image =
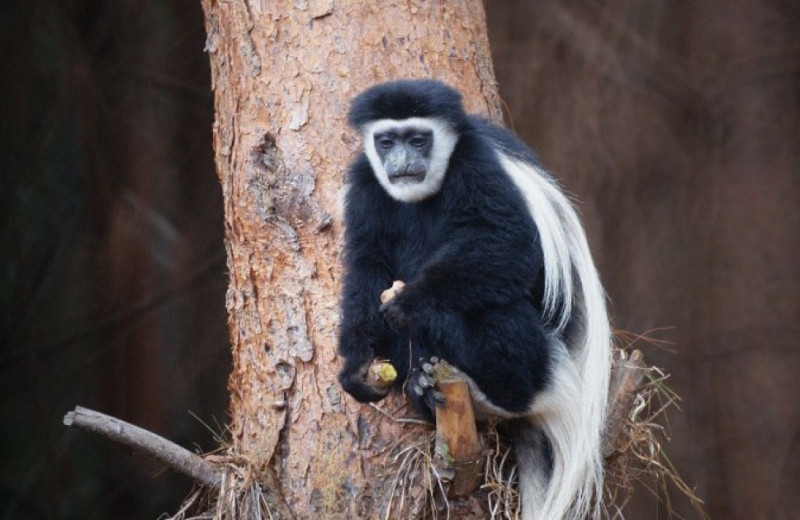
(470, 257)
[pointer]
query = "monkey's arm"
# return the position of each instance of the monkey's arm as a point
(481, 266)
(364, 334)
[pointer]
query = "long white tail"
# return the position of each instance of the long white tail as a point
(571, 412)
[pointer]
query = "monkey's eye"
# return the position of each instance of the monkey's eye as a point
(385, 143)
(418, 141)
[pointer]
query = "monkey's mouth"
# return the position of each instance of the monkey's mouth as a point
(406, 177)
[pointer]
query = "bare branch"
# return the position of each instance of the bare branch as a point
(141, 440)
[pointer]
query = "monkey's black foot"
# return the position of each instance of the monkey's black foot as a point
(421, 388)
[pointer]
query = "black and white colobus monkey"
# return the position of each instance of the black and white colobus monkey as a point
(499, 282)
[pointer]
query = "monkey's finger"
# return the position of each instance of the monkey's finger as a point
(392, 291)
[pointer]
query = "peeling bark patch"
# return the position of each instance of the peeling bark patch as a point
(286, 374)
(250, 56)
(212, 38)
(320, 8)
(299, 112)
(249, 323)
(297, 331)
(281, 196)
(264, 162)
(292, 239)
(247, 48)
(316, 500)
(265, 153)
(364, 431)
(260, 188)
(324, 223)
(334, 396)
(315, 8)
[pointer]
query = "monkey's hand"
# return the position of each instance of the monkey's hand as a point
(359, 380)
(392, 291)
(396, 315)
(392, 307)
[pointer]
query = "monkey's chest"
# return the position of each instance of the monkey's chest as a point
(415, 247)
(410, 255)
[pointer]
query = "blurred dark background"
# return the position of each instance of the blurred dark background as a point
(113, 264)
(677, 124)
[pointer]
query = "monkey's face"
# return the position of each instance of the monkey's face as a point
(405, 153)
(409, 157)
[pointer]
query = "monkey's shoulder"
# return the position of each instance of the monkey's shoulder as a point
(503, 140)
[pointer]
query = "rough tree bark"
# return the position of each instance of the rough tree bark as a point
(283, 73)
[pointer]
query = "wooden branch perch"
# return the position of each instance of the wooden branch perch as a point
(148, 443)
(459, 451)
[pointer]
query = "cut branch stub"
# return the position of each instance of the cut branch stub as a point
(626, 377)
(458, 455)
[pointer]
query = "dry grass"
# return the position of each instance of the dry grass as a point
(242, 493)
(417, 486)
(500, 479)
(639, 461)
(416, 489)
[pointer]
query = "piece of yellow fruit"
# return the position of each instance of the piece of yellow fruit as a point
(381, 374)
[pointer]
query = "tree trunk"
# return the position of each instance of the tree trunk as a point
(283, 74)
